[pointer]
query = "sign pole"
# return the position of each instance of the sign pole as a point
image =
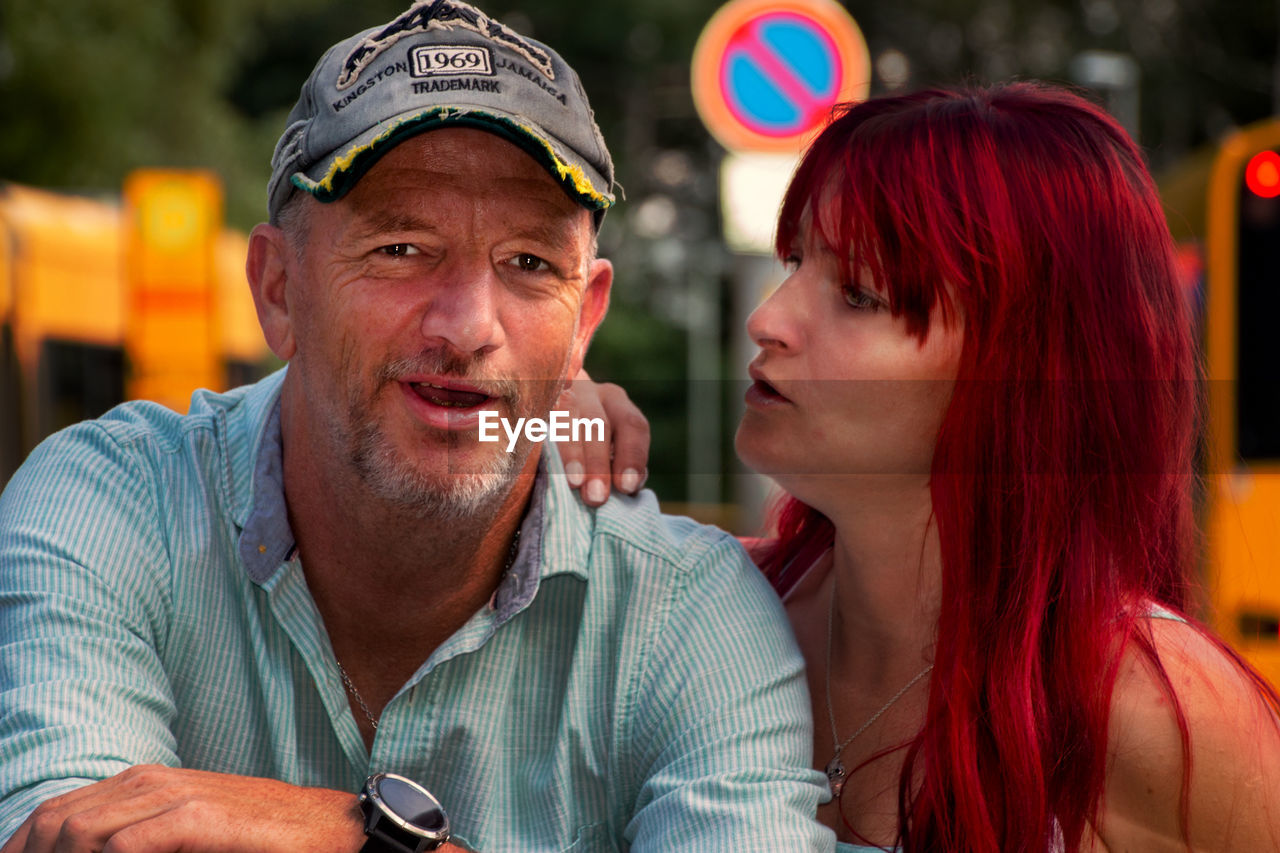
(766, 75)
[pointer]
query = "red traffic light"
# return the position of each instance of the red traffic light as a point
(1262, 174)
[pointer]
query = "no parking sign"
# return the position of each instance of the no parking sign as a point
(767, 72)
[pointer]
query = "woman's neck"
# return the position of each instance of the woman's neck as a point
(865, 620)
(887, 575)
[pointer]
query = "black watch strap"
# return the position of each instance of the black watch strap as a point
(377, 843)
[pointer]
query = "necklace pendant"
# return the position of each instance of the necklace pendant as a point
(836, 775)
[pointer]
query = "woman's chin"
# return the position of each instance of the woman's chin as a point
(758, 450)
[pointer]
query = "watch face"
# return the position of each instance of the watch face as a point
(410, 805)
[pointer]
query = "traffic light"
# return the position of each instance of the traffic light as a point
(1243, 294)
(1262, 174)
(1257, 304)
(1242, 345)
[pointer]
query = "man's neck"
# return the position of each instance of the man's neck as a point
(417, 578)
(352, 541)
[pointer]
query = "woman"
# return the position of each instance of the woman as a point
(978, 389)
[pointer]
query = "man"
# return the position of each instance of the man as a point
(216, 628)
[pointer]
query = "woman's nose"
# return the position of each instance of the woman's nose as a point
(778, 322)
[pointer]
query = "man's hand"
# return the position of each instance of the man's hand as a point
(150, 809)
(620, 460)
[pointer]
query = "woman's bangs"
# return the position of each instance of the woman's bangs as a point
(872, 216)
(878, 198)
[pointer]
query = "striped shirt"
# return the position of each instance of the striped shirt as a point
(631, 685)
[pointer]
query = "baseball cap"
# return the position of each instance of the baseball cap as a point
(442, 63)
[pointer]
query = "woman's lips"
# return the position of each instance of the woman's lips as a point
(763, 392)
(762, 395)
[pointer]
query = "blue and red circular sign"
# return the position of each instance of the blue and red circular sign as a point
(767, 72)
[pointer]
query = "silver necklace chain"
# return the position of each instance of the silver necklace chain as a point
(355, 694)
(350, 685)
(836, 773)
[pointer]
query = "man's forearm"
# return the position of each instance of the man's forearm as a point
(152, 809)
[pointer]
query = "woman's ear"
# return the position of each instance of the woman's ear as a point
(271, 261)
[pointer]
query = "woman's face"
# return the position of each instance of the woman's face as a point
(840, 387)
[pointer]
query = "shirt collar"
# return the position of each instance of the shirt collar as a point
(267, 540)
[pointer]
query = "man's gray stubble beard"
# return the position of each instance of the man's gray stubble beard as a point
(392, 478)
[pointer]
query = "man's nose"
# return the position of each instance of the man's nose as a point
(463, 309)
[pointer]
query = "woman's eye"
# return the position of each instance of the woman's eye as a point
(791, 262)
(529, 263)
(399, 250)
(860, 300)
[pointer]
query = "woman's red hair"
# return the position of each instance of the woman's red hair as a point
(1063, 473)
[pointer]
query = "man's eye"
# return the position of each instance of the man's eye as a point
(398, 250)
(529, 263)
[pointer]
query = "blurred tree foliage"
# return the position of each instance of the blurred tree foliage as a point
(90, 89)
(1205, 65)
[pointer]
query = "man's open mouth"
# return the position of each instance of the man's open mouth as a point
(454, 398)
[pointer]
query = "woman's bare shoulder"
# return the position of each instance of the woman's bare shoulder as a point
(1234, 794)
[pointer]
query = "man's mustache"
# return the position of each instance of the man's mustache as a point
(449, 365)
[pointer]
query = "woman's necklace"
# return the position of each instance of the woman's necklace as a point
(350, 685)
(836, 773)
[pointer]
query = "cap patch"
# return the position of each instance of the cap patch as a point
(440, 14)
(445, 59)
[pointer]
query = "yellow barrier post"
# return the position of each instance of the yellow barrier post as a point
(173, 220)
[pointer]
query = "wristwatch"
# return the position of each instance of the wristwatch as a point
(401, 816)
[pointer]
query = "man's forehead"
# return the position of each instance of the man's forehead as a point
(465, 164)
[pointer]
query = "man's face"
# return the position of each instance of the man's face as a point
(456, 277)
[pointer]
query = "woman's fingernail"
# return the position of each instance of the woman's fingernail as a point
(596, 491)
(630, 480)
(574, 473)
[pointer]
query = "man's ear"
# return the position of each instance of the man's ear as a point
(271, 259)
(595, 302)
